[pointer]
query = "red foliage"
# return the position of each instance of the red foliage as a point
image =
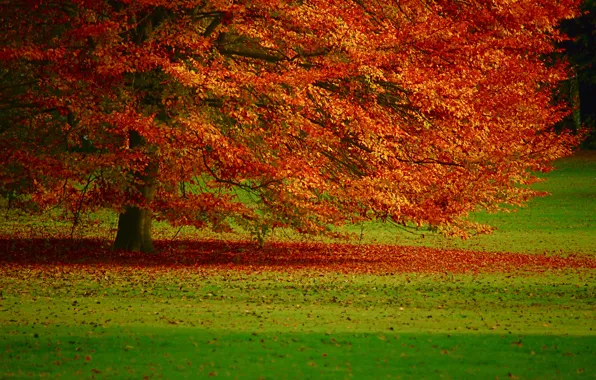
(327, 112)
(201, 255)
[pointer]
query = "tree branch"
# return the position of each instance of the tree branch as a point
(234, 183)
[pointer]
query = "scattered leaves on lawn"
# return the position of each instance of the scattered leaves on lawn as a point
(281, 256)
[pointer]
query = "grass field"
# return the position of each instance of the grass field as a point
(183, 322)
(522, 305)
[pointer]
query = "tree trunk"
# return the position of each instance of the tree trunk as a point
(134, 225)
(574, 99)
(134, 231)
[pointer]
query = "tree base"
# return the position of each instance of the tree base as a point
(134, 231)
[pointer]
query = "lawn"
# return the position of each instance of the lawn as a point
(521, 305)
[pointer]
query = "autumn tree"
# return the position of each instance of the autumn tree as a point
(323, 112)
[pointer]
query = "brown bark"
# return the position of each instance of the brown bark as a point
(134, 231)
(134, 224)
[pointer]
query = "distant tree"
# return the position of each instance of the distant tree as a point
(580, 49)
(325, 112)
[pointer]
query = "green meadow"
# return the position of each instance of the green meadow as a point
(112, 320)
(297, 325)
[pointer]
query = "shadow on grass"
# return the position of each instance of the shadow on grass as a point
(279, 256)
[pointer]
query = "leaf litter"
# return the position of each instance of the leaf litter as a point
(280, 256)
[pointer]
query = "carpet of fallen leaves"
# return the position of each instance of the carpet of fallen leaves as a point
(343, 258)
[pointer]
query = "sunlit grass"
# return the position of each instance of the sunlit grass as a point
(307, 301)
(183, 323)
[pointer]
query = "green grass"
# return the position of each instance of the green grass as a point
(184, 353)
(296, 325)
(561, 303)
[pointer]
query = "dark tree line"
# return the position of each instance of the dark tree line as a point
(581, 52)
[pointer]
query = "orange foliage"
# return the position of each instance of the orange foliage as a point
(196, 256)
(324, 111)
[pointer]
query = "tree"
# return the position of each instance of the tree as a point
(581, 52)
(323, 112)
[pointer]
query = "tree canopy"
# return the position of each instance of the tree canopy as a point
(324, 112)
